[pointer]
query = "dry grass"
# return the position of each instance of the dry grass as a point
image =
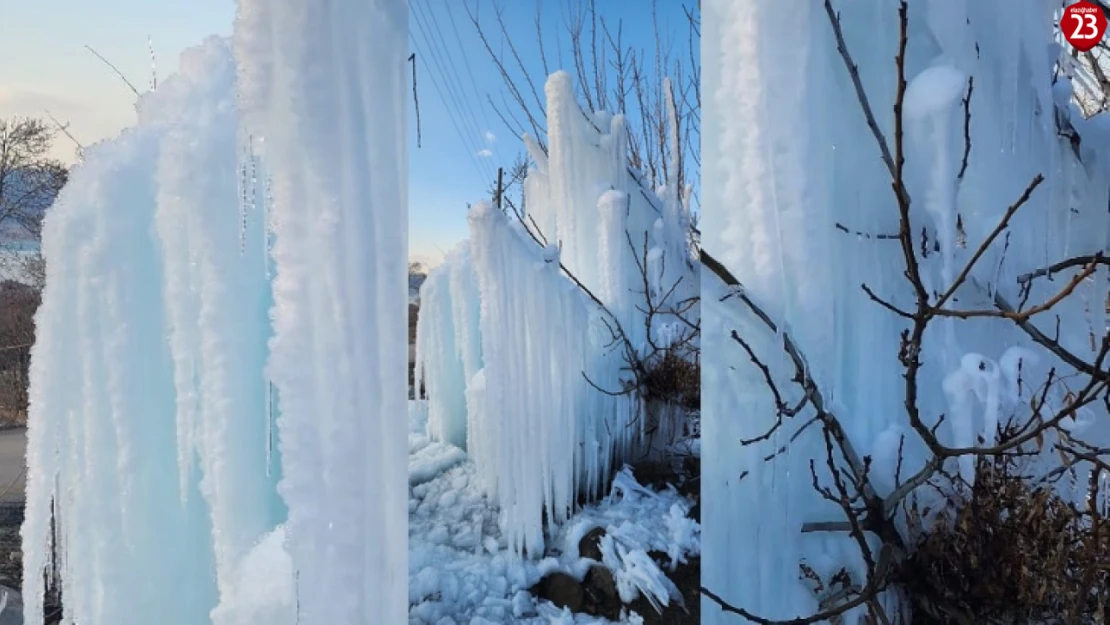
(1015, 552)
(672, 379)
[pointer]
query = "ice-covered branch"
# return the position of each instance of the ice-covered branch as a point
(1014, 425)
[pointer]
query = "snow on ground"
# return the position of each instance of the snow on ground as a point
(14, 265)
(460, 568)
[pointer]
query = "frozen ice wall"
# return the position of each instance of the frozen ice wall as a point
(582, 196)
(145, 413)
(533, 359)
(217, 300)
(324, 91)
(449, 317)
(795, 194)
(504, 336)
(168, 326)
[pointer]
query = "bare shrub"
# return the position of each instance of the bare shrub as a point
(29, 178)
(18, 303)
(1012, 550)
(29, 181)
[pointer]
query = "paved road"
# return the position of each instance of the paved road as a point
(13, 478)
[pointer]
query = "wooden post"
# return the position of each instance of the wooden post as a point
(500, 189)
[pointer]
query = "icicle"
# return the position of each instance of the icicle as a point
(153, 64)
(269, 416)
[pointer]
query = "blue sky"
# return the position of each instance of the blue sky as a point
(47, 68)
(446, 172)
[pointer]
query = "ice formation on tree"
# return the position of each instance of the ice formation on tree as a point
(168, 325)
(504, 336)
(793, 174)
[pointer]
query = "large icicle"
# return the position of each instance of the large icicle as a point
(528, 320)
(446, 302)
(218, 325)
(334, 145)
(102, 442)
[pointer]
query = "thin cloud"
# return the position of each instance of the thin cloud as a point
(484, 153)
(25, 102)
(490, 137)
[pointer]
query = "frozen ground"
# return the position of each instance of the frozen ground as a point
(461, 573)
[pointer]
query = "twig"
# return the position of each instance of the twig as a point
(1052, 345)
(415, 98)
(841, 227)
(15, 347)
(967, 128)
(153, 64)
(115, 69)
(64, 129)
(1077, 261)
(1002, 224)
(861, 598)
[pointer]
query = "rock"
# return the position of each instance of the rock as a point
(681, 611)
(692, 465)
(562, 590)
(590, 545)
(655, 475)
(691, 484)
(602, 598)
(695, 511)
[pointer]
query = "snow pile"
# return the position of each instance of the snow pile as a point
(627, 541)
(504, 337)
(461, 566)
(264, 590)
(798, 204)
(165, 335)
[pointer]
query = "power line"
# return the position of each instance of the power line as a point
(449, 95)
(440, 52)
(454, 122)
(469, 73)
